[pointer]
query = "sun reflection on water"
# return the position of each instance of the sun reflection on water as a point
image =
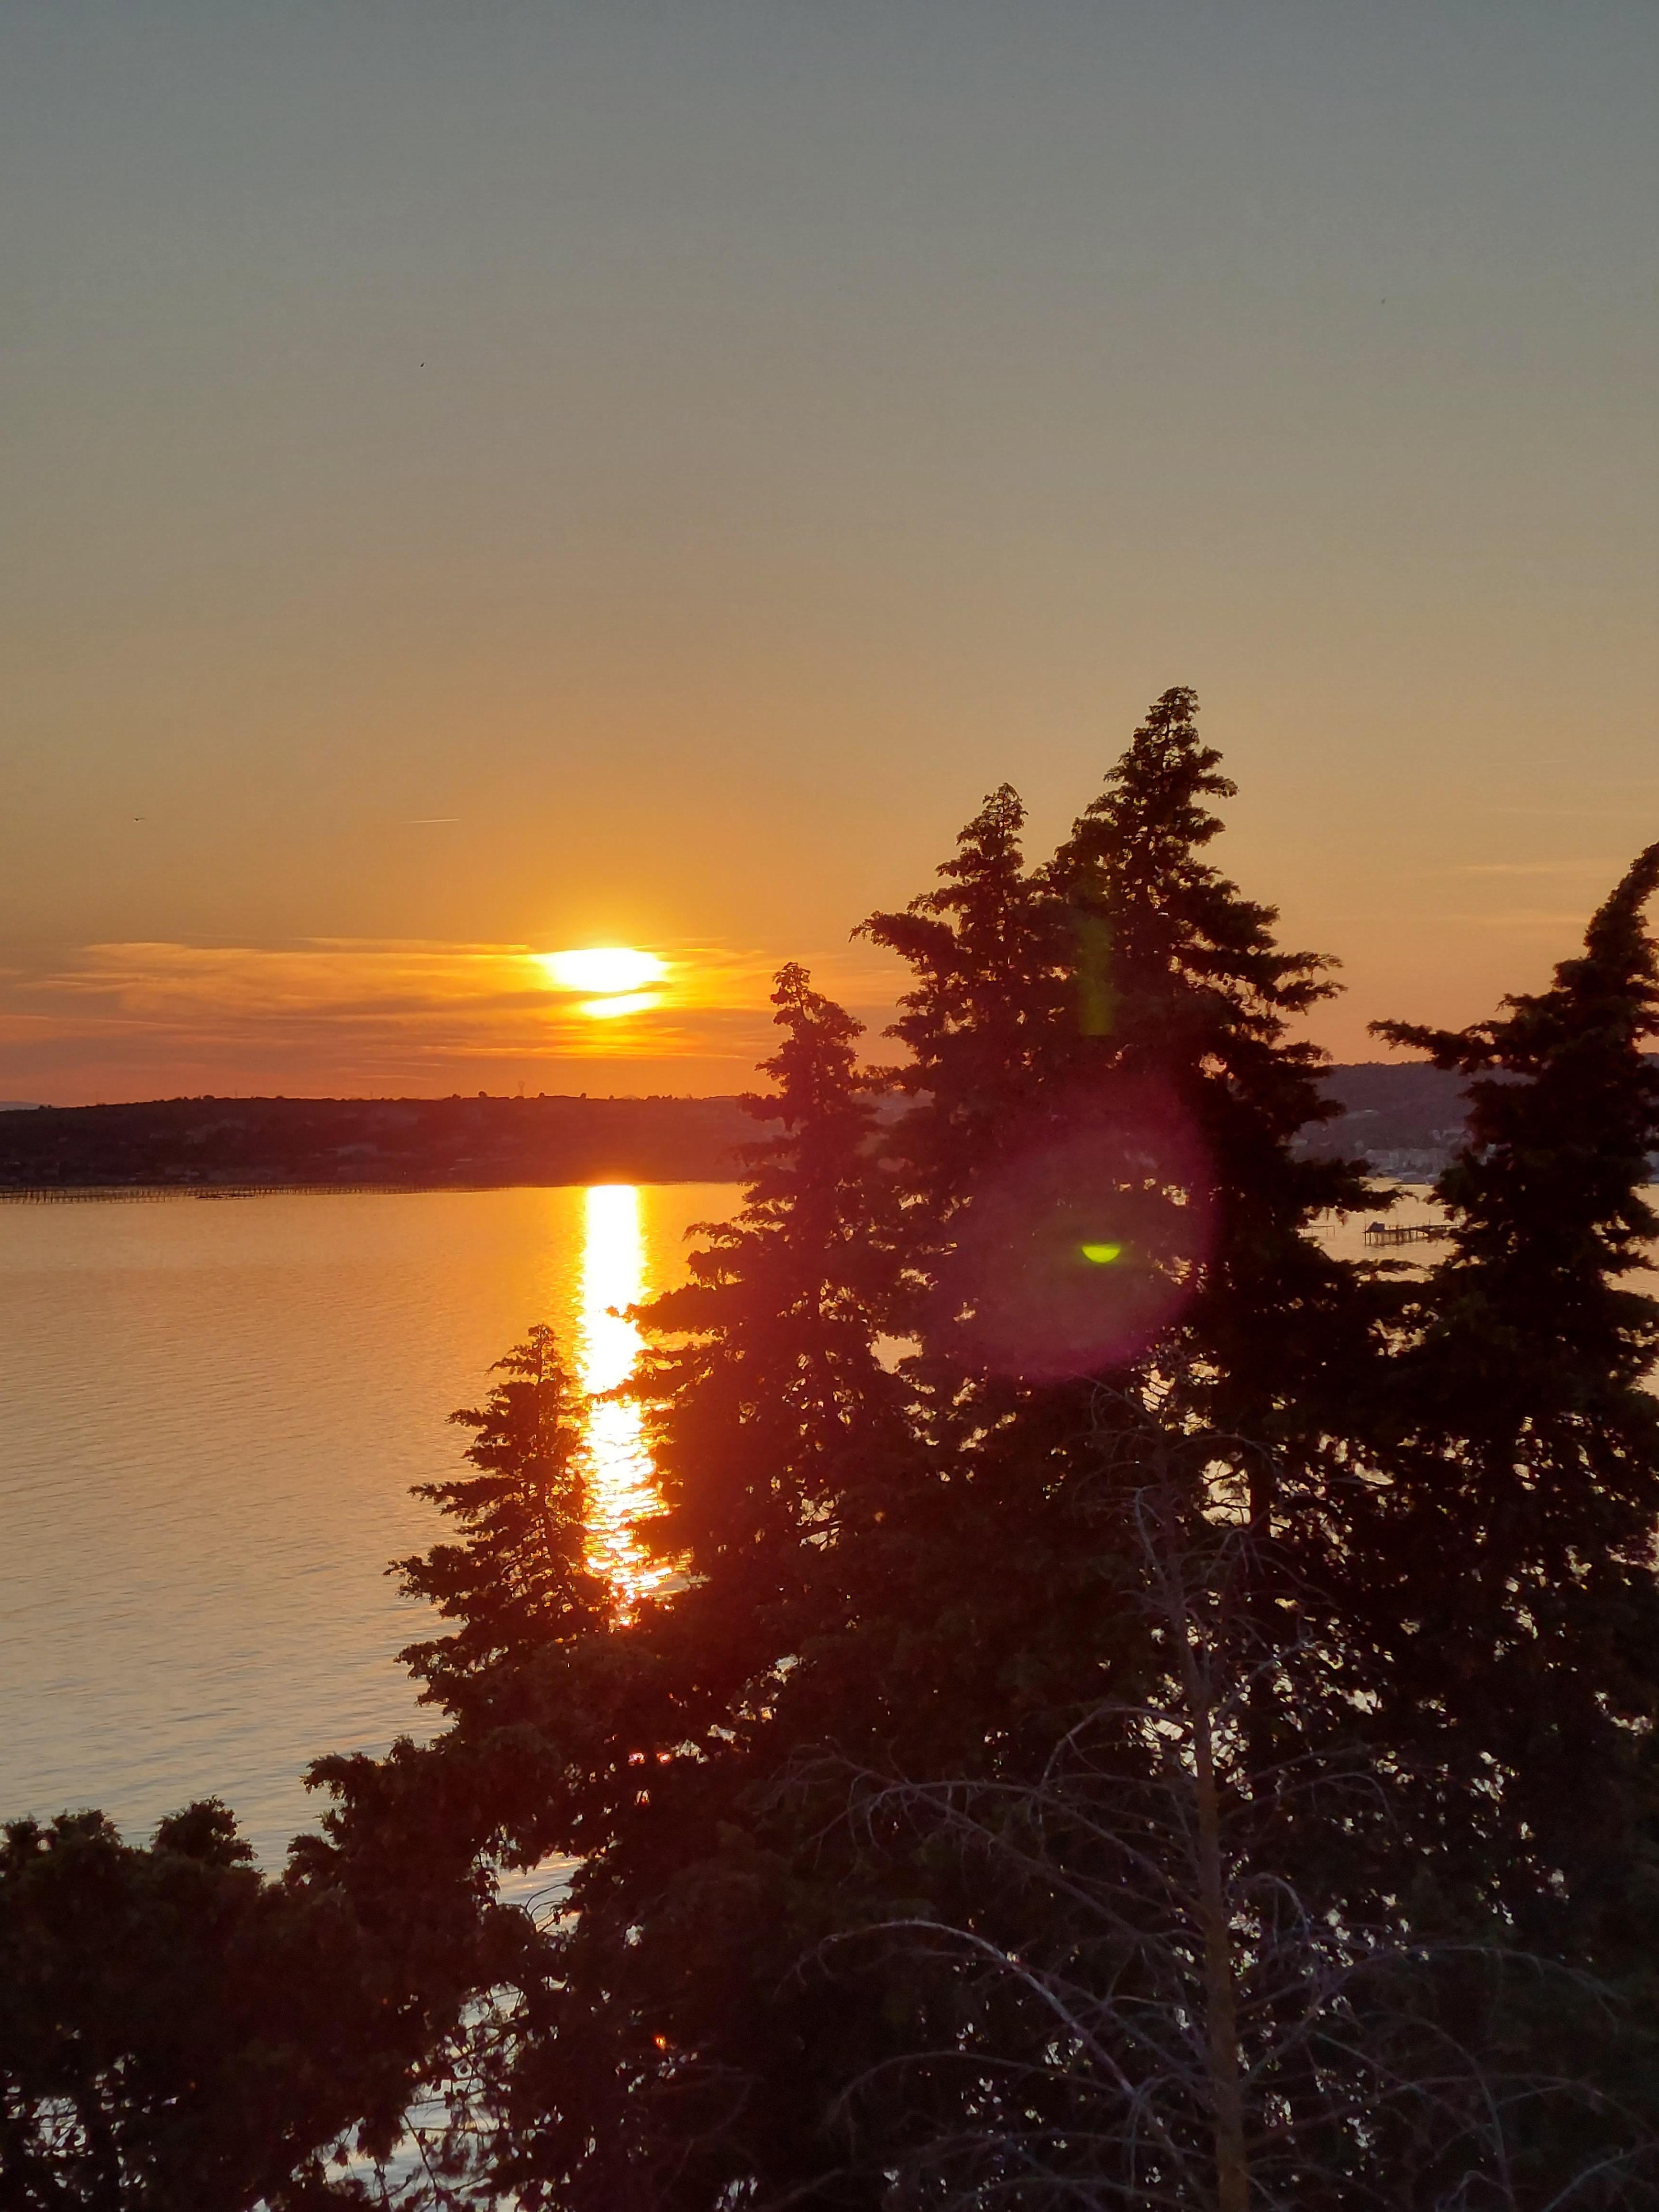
(620, 1472)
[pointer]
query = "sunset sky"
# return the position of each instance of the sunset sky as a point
(485, 477)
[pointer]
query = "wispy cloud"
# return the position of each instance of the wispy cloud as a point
(332, 1012)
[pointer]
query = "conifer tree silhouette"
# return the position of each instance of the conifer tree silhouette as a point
(981, 1020)
(518, 1580)
(1513, 1551)
(1201, 992)
(1130, 956)
(1410, 1538)
(765, 1384)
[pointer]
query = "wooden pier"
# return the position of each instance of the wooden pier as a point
(1400, 1233)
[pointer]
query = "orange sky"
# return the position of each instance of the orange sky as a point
(485, 481)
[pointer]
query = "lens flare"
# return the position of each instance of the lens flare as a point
(1089, 1241)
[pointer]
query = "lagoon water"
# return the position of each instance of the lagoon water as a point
(210, 1416)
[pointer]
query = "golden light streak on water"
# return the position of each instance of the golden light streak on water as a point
(620, 1473)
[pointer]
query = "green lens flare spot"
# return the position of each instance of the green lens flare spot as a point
(1103, 1255)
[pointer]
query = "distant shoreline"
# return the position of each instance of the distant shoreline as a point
(252, 1145)
(116, 1193)
(1405, 1120)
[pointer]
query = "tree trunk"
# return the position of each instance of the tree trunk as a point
(1232, 2173)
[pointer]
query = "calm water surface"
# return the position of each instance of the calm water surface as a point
(212, 1415)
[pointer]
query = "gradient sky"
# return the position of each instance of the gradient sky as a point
(481, 477)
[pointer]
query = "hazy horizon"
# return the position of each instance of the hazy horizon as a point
(487, 481)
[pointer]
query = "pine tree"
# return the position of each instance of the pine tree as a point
(1201, 996)
(967, 1584)
(1510, 1566)
(776, 1431)
(979, 1022)
(767, 1385)
(1089, 1039)
(1125, 996)
(925, 1570)
(518, 1580)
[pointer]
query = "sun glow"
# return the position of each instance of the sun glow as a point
(602, 967)
(625, 1002)
(622, 1491)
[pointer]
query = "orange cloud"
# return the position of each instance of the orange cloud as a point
(142, 1018)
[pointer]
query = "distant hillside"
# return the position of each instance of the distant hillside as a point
(1403, 1118)
(442, 1142)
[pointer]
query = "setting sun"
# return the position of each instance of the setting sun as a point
(604, 967)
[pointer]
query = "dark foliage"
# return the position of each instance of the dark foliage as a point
(179, 2034)
(1508, 1579)
(519, 1581)
(1144, 1711)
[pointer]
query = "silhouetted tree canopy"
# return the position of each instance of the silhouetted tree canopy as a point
(1144, 1711)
